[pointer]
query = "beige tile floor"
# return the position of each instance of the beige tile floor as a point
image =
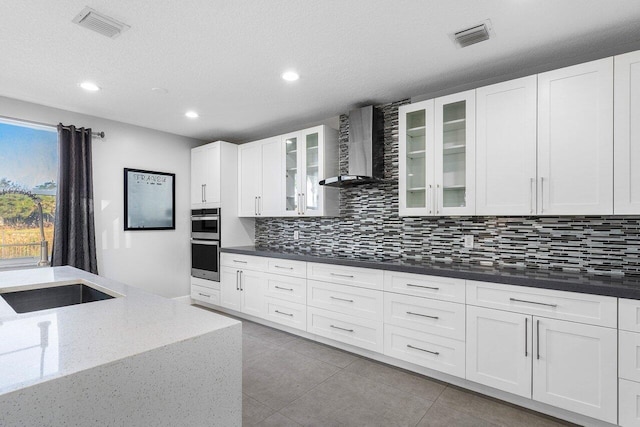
(291, 381)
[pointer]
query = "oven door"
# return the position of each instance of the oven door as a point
(205, 259)
(205, 227)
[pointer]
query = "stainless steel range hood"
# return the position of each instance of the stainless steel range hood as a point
(366, 149)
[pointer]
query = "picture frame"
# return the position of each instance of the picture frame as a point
(149, 200)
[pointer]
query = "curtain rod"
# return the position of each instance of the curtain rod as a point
(98, 134)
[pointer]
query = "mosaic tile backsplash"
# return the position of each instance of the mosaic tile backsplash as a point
(369, 227)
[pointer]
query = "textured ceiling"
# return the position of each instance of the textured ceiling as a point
(224, 58)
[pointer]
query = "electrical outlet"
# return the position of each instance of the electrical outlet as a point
(468, 241)
(296, 235)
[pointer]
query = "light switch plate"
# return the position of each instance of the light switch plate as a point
(296, 235)
(468, 241)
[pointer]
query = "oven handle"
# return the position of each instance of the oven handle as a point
(204, 218)
(205, 242)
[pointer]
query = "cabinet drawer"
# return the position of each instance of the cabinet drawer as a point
(435, 287)
(208, 295)
(205, 283)
(362, 277)
(446, 319)
(351, 300)
(629, 312)
(243, 261)
(573, 306)
(351, 330)
(431, 351)
(629, 404)
(287, 267)
(287, 313)
(629, 355)
(293, 289)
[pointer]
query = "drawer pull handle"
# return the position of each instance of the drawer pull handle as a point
(342, 275)
(204, 295)
(241, 262)
(283, 267)
(341, 299)
(422, 286)
(286, 314)
(533, 302)
(284, 289)
(422, 349)
(342, 329)
(423, 315)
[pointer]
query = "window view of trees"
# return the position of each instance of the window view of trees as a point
(28, 170)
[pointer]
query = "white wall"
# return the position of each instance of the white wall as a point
(157, 261)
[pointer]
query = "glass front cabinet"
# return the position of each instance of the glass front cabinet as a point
(437, 156)
(309, 158)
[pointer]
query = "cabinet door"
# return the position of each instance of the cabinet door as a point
(249, 174)
(270, 196)
(506, 148)
(197, 177)
(230, 296)
(253, 286)
(575, 139)
(416, 159)
(312, 162)
(627, 134)
(575, 367)
(455, 154)
(211, 156)
(292, 147)
(499, 349)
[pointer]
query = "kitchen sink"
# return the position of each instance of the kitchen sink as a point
(52, 297)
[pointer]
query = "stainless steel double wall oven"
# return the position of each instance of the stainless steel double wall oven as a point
(205, 244)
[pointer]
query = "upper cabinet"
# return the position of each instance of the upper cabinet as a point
(437, 156)
(506, 148)
(627, 134)
(280, 176)
(259, 185)
(205, 176)
(544, 146)
(575, 140)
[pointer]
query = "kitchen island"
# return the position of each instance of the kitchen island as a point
(133, 359)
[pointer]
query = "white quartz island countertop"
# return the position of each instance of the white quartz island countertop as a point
(121, 361)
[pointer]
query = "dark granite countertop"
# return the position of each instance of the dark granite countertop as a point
(622, 287)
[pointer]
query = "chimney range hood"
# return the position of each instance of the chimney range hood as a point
(366, 149)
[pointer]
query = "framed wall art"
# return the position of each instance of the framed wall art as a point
(149, 200)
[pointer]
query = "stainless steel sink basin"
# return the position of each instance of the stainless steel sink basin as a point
(52, 297)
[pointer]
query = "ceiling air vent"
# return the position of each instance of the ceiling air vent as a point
(473, 35)
(99, 23)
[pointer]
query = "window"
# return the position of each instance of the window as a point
(28, 174)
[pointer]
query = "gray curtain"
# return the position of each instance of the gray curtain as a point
(74, 241)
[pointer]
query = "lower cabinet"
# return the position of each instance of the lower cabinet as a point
(243, 291)
(428, 350)
(356, 331)
(565, 364)
(629, 403)
(287, 313)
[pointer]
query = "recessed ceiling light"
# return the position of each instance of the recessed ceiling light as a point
(159, 90)
(290, 76)
(192, 114)
(90, 86)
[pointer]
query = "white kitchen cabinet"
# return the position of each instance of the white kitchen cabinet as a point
(506, 148)
(455, 155)
(627, 134)
(499, 349)
(352, 330)
(205, 176)
(243, 290)
(416, 159)
(259, 184)
(575, 139)
(309, 155)
(629, 405)
(575, 367)
(437, 156)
